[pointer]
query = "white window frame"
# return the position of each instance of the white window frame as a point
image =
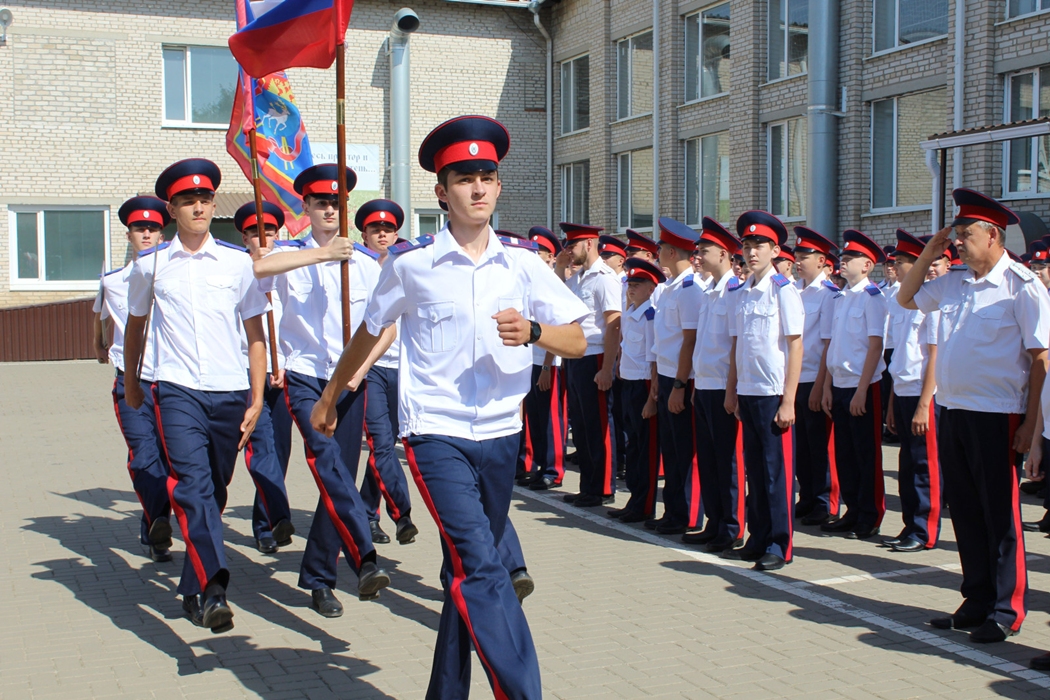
(566, 196)
(783, 216)
(897, 45)
(1044, 6)
(188, 123)
(576, 128)
(440, 213)
(787, 46)
(1034, 192)
(622, 226)
(698, 16)
(699, 178)
(29, 285)
(630, 78)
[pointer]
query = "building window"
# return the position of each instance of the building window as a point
(707, 53)
(430, 222)
(575, 95)
(199, 85)
(787, 169)
(788, 37)
(707, 178)
(576, 192)
(903, 22)
(899, 177)
(1027, 161)
(1016, 8)
(634, 75)
(58, 248)
(635, 189)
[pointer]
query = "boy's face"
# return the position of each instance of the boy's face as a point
(471, 195)
(323, 211)
(641, 253)
(546, 256)
(759, 253)
(380, 235)
(902, 265)
(253, 232)
(192, 211)
(855, 267)
(810, 264)
(784, 267)
(939, 267)
(639, 291)
(143, 236)
(710, 257)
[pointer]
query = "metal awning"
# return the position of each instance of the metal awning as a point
(988, 134)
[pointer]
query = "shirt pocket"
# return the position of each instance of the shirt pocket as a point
(949, 315)
(671, 316)
(634, 342)
(299, 287)
(758, 319)
(719, 320)
(220, 291)
(437, 326)
(510, 302)
(984, 322)
(169, 291)
(855, 320)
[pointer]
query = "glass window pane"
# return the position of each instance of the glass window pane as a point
(213, 80)
(692, 182)
(175, 84)
(28, 256)
(1021, 89)
(882, 148)
(1044, 92)
(885, 24)
(922, 19)
(1020, 150)
(624, 191)
(581, 182)
(567, 108)
(777, 36)
(776, 169)
(74, 245)
(1043, 145)
(642, 73)
(692, 57)
(715, 176)
(1020, 7)
(916, 116)
(715, 56)
(623, 79)
(581, 87)
(798, 36)
(428, 224)
(642, 188)
(797, 166)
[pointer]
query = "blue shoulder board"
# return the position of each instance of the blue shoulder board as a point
(518, 243)
(367, 251)
(873, 290)
(959, 268)
(650, 314)
(734, 284)
(113, 272)
(154, 249)
(421, 242)
(781, 281)
(688, 282)
(294, 243)
(832, 286)
(231, 246)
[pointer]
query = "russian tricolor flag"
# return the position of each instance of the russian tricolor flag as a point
(279, 34)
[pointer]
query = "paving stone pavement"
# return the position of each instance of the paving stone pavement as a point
(618, 611)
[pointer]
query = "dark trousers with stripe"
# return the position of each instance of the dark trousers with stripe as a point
(919, 473)
(978, 461)
(467, 485)
(542, 449)
(720, 458)
(200, 431)
(148, 472)
(818, 479)
(768, 455)
(266, 469)
(509, 548)
(858, 455)
(340, 521)
(643, 448)
(591, 415)
(385, 478)
(683, 504)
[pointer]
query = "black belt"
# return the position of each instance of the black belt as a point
(120, 373)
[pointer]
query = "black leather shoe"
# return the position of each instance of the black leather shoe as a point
(216, 614)
(543, 483)
(909, 544)
(701, 537)
(653, 523)
(742, 554)
(630, 517)
(406, 531)
(266, 544)
(323, 600)
(1038, 526)
(160, 533)
(803, 509)
(572, 457)
(159, 555)
(862, 533)
(371, 580)
(841, 525)
(991, 631)
(615, 512)
(958, 621)
(523, 584)
(717, 546)
(1041, 662)
(667, 528)
(571, 497)
(587, 500)
(523, 479)
(1030, 488)
(816, 518)
(890, 541)
(378, 536)
(769, 562)
(282, 532)
(191, 605)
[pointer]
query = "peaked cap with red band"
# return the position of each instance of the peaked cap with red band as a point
(713, 232)
(833, 260)
(508, 234)
(856, 243)
(887, 250)
(245, 216)
(786, 254)
(323, 180)
(809, 241)
(974, 206)
(908, 244)
(144, 210)
(638, 241)
(578, 232)
(950, 252)
(470, 143)
(763, 225)
(1040, 252)
(677, 234)
(545, 238)
(638, 269)
(383, 211)
(190, 175)
(611, 244)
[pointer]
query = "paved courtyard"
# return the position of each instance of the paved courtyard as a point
(618, 612)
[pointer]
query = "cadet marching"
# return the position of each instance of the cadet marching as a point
(756, 378)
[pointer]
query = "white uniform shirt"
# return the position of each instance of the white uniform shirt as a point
(816, 300)
(913, 333)
(636, 343)
(987, 328)
(201, 300)
(392, 357)
(456, 376)
(895, 311)
(859, 314)
(766, 314)
(713, 342)
(112, 303)
(599, 288)
(678, 310)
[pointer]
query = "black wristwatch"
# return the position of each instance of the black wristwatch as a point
(534, 333)
(678, 384)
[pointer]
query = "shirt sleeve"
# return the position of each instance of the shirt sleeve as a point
(928, 330)
(876, 316)
(792, 311)
(609, 294)
(1032, 311)
(388, 300)
(97, 306)
(650, 341)
(689, 306)
(139, 287)
(929, 296)
(253, 300)
(550, 301)
(827, 315)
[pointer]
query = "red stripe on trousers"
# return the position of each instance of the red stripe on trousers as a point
(741, 480)
(933, 465)
(654, 459)
(131, 452)
(835, 497)
(458, 575)
(530, 458)
(1020, 566)
(557, 422)
(248, 452)
(375, 470)
(880, 482)
(694, 503)
(603, 424)
(787, 445)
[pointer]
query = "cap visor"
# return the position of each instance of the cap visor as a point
(964, 221)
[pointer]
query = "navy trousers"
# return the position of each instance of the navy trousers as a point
(385, 478)
(266, 469)
(200, 431)
(858, 455)
(919, 473)
(591, 414)
(768, 457)
(978, 460)
(542, 449)
(340, 521)
(818, 479)
(720, 458)
(683, 504)
(149, 474)
(643, 448)
(509, 548)
(467, 485)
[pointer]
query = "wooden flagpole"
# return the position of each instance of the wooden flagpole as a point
(260, 226)
(340, 138)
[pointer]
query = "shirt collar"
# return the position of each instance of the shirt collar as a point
(995, 275)
(858, 287)
(210, 248)
(762, 284)
(597, 267)
(689, 272)
(819, 280)
(722, 281)
(637, 312)
(445, 244)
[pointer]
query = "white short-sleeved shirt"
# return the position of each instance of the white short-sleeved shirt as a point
(112, 303)
(987, 328)
(636, 342)
(859, 313)
(768, 311)
(456, 376)
(678, 310)
(894, 309)
(816, 300)
(713, 342)
(201, 300)
(392, 357)
(913, 333)
(311, 329)
(599, 288)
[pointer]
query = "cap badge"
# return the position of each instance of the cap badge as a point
(382, 215)
(753, 228)
(799, 241)
(196, 179)
(335, 186)
(145, 215)
(473, 149)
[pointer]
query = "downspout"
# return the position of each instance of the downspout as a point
(823, 157)
(656, 114)
(534, 8)
(959, 70)
(405, 22)
(938, 188)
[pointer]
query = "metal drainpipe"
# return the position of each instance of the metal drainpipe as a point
(405, 22)
(534, 7)
(957, 121)
(656, 115)
(822, 194)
